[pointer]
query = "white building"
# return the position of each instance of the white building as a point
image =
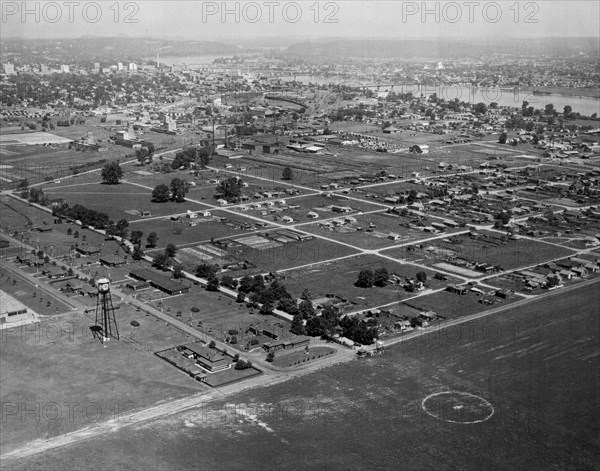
(9, 69)
(13, 313)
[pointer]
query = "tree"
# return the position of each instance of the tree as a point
(567, 110)
(76, 234)
(504, 216)
(212, 344)
(421, 276)
(170, 250)
(229, 282)
(246, 284)
(306, 295)
(138, 253)
(288, 305)
(112, 173)
(271, 356)
(381, 277)
(297, 326)
(121, 228)
(503, 138)
(136, 237)
(365, 279)
(552, 280)
(230, 189)
(480, 108)
(213, 284)
(142, 154)
(241, 298)
(306, 309)
(178, 190)
(287, 173)
(206, 271)
(178, 272)
(549, 108)
(161, 261)
(315, 327)
(267, 308)
(161, 194)
(151, 240)
(24, 184)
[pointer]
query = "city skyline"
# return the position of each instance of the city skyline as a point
(234, 21)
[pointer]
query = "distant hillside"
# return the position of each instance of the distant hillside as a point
(97, 48)
(433, 49)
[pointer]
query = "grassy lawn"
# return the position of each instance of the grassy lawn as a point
(289, 255)
(377, 239)
(70, 367)
(115, 200)
(452, 306)
(338, 278)
(36, 299)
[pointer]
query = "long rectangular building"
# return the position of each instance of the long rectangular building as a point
(159, 281)
(14, 313)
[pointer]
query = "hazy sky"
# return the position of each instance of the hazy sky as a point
(231, 20)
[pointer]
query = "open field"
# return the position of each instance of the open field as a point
(536, 368)
(374, 233)
(452, 306)
(204, 229)
(338, 278)
(115, 200)
(509, 254)
(72, 368)
(290, 255)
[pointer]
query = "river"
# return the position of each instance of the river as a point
(583, 105)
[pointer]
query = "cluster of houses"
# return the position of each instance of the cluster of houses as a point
(585, 224)
(566, 269)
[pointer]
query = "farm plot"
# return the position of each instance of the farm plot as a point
(288, 254)
(488, 248)
(369, 231)
(193, 231)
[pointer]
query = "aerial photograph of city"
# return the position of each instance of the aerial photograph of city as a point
(300, 235)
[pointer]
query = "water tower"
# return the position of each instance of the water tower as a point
(106, 322)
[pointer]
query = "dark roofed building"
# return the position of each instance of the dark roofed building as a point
(159, 281)
(209, 358)
(88, 249)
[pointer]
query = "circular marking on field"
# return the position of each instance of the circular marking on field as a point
(458, 407)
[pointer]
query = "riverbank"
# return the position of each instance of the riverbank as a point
(566, 91)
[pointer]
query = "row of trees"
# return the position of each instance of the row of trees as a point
(176, 191)
(88, 217)
(368, 278)
(185, 158)
(164, 261)
(230, 189)
(380, 277)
